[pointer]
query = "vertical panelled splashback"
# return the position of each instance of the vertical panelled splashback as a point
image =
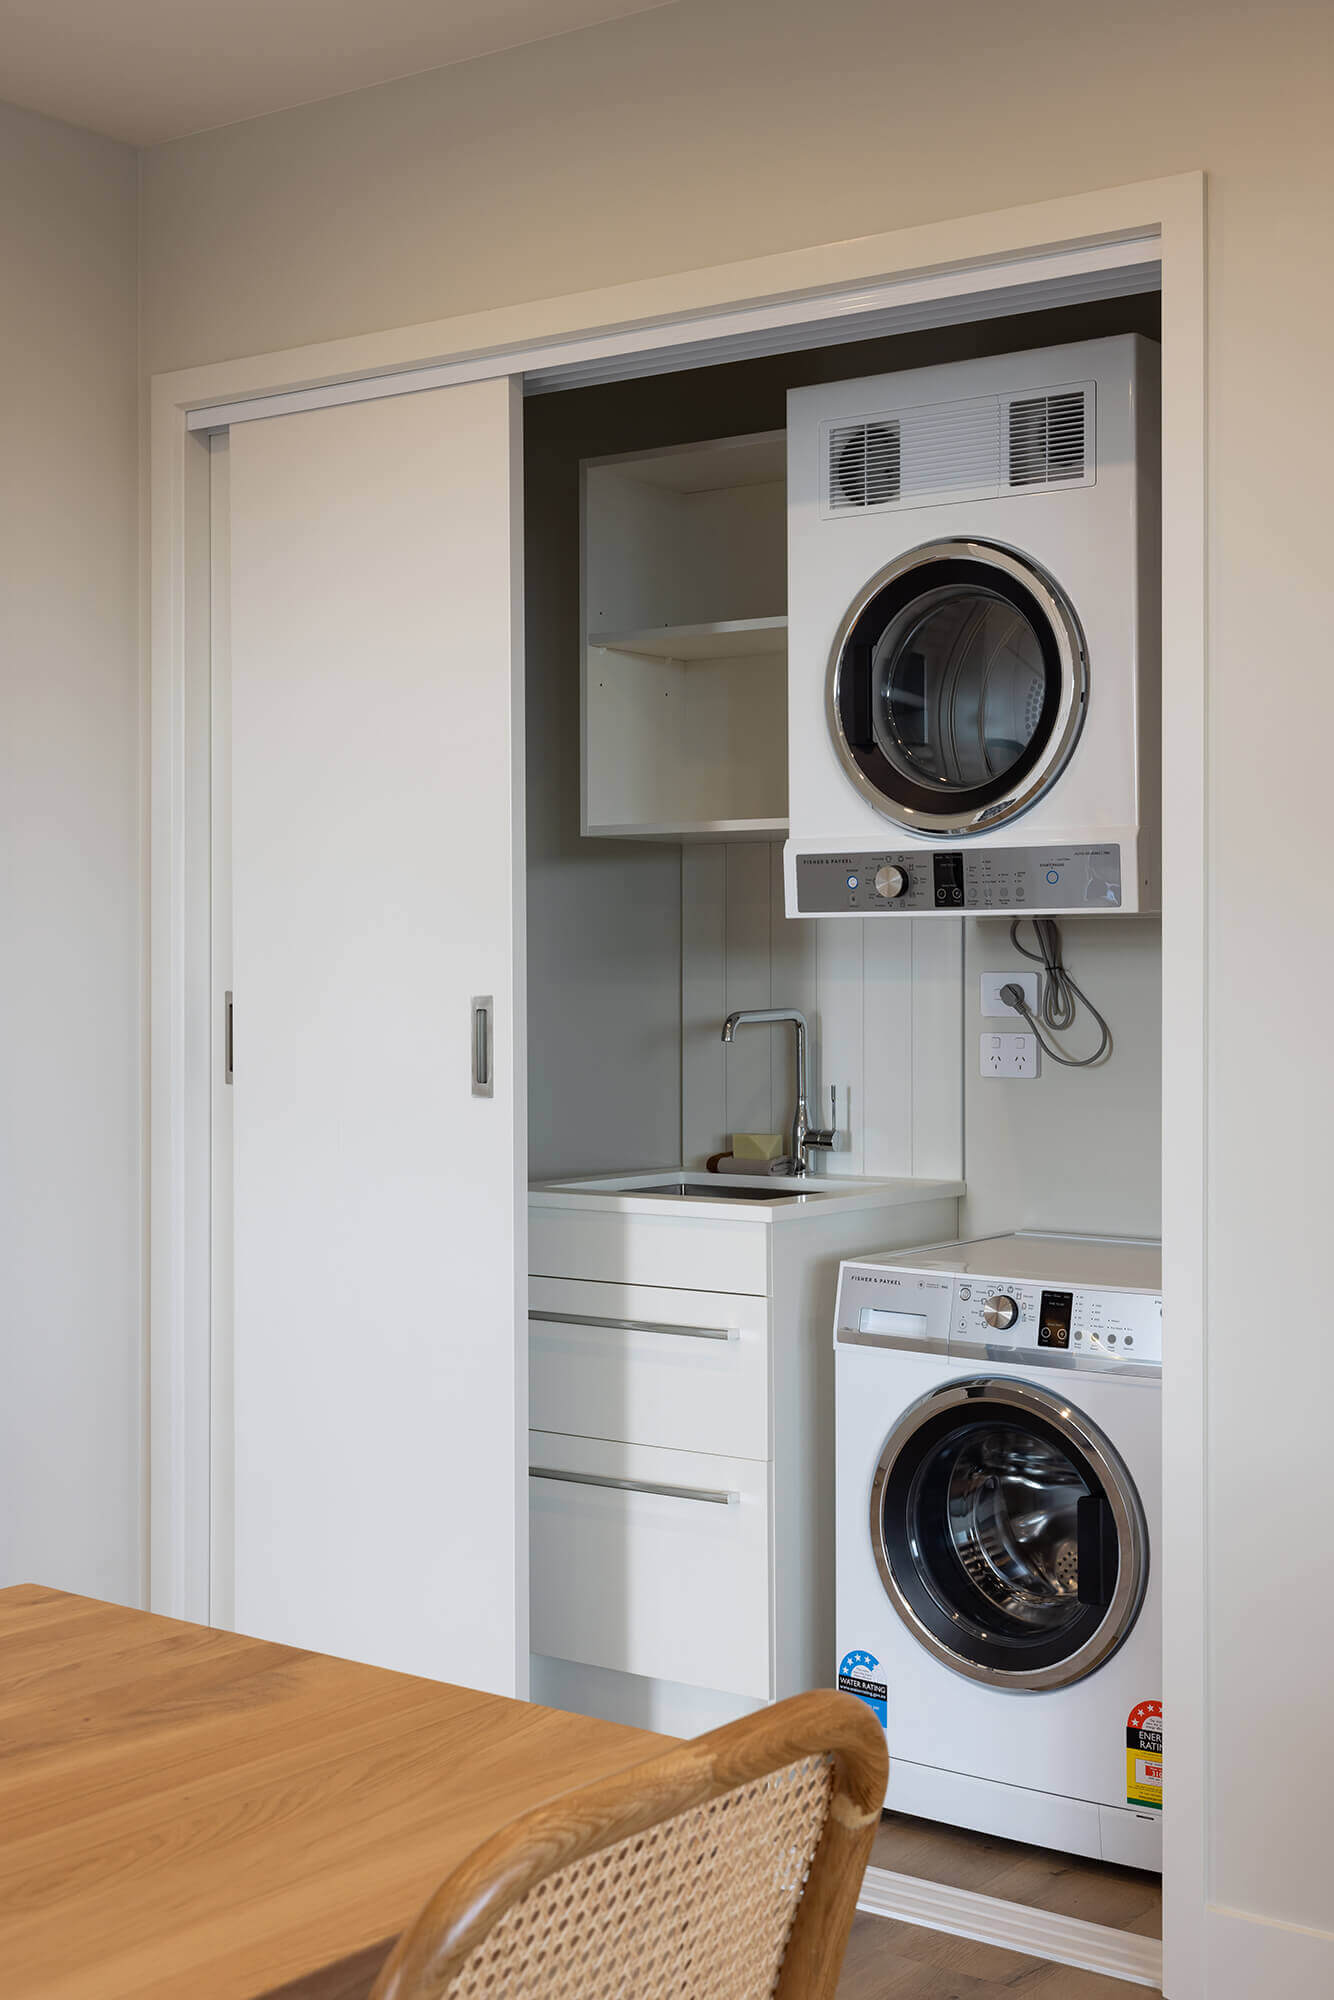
(893, 1012)
(884, 1003)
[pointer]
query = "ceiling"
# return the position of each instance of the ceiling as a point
(149, 70)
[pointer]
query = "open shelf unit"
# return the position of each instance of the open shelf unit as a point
(685, 660)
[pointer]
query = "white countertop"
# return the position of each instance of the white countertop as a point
(818, 1193)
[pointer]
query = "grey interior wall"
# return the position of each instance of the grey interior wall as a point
(1070, 1149)
(604, 917)
(71, 1329)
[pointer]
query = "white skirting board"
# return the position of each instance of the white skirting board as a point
(1013, 1926)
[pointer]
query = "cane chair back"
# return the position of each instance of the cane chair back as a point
(726, 1869)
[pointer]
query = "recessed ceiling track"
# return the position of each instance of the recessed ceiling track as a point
(780, 326)
(871, 325)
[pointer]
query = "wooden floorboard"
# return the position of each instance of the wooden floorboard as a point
(888, 1961)
(893, 1961)
(1126, 1899)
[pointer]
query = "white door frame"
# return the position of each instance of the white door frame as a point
(934, 271)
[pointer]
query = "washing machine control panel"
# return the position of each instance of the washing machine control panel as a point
(999, 1318)
(1024, 1319)
(957, 879)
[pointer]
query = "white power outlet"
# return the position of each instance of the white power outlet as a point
(991, 986)
(1008, 1055)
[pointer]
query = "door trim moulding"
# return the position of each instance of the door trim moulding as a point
(1050, 278)
(792, 298)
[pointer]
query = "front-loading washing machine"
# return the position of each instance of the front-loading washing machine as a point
(973, 637)
(998, 1506)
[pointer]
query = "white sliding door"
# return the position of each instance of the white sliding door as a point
(378, 1195)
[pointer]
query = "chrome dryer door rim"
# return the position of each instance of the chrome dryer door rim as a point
(957, 568)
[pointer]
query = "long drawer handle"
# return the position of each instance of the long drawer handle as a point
(637, 1325)
(715, 1496)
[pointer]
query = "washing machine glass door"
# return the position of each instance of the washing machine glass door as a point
(1008, 1534)
(957, 687)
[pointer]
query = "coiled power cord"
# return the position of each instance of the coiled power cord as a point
(1059, 999)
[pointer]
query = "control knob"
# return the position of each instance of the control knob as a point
(1001, 1311)
(890, 881)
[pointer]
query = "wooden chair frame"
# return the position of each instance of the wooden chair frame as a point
(468, 1904)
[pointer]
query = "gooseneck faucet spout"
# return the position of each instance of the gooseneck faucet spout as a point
(805, 1136)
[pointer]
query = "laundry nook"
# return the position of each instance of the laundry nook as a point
(883, 681)
(663, 702)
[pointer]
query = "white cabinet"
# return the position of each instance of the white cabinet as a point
(685, 662)
(681, 1450)
(652, 1562)
(684, 1370)
(645, 1243)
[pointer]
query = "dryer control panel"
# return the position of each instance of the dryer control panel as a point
(955, 880)
(1000, 1318)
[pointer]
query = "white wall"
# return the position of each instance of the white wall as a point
(720, 129)
(1075, 1148)
(70, 1105)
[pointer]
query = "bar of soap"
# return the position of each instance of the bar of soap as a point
(757, 1146)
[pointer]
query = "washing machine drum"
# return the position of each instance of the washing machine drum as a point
(1008, 1534)
(957, 687)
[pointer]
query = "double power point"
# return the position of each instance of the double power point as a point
(1008, 1055)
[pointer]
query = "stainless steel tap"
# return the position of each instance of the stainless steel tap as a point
(805, 1136)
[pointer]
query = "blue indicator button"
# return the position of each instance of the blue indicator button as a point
(852, 881)
(1053, 874)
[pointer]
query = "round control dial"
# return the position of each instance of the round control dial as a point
(890, 881)
(1001, 1310)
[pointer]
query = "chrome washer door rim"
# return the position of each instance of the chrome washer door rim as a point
(1034, 777)
(1021, 1401)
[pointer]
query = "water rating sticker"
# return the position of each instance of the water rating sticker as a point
(855, 1674)
(1144, 1755)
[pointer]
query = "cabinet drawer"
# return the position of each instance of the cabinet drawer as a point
(628, 1248)
(688, 1370)
(651, 1562)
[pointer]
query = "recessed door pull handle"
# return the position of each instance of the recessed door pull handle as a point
(715, 1496)
(483, 1056)
(634, 1325)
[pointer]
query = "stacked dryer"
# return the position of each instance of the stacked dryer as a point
(973, 637)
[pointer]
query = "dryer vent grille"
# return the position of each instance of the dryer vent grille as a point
(1047, 438)
(977, 449)
(865, 464)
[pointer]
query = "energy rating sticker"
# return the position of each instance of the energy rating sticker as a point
(1144, 1755)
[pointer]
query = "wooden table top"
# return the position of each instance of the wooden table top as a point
(188, 1812)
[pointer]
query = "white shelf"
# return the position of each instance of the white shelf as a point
(724, 639)
(684, 718)
(695, 829)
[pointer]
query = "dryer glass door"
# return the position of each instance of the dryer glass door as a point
(957, 688)
(1008, 1534)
